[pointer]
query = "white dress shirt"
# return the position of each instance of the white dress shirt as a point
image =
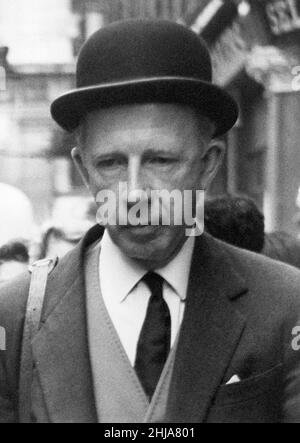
(126, 297)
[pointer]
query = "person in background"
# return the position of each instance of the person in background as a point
(71, 219)
(236, 220)
(14, 260)
(16, 215)
(58, 241)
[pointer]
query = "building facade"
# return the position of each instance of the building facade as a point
(43, 38)
(255, 47)
(38, 38)
(151, 9)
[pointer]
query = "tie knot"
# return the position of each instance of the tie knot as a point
(154, 282)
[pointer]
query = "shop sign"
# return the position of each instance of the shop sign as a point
(229, 54)
(283, 15)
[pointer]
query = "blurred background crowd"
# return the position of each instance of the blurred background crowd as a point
(255, 46)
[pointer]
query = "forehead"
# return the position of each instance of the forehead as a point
(143, 122)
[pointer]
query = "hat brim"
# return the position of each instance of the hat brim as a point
(212, 101)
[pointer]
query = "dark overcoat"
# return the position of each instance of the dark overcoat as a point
(242, 311)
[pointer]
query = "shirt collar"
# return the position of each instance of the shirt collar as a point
(176, 273)
(119, 274)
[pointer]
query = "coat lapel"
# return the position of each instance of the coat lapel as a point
(210, 333)
(60, 348)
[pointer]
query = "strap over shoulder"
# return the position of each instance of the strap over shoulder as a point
(39, 276)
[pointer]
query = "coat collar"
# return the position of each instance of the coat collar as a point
(209, 336)
(60, 349)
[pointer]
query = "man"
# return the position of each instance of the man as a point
(14, 260)
(236, 220)
(17, 215)
(142, 323)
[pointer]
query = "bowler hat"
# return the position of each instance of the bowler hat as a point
(145, 61)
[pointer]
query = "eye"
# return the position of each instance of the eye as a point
(110, 163)
(163, 161)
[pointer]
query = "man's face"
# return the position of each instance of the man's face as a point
(148, 147)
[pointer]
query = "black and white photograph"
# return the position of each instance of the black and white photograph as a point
(149, 214)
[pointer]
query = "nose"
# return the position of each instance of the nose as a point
(136, 181)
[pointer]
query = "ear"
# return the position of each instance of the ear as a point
(79, 163)
(211, 162)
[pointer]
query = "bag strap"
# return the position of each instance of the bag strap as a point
(39, 276)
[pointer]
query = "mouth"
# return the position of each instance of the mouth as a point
(142, 229)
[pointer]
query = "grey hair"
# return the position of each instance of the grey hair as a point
(79, 134)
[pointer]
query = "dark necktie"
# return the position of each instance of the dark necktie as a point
(155, 338)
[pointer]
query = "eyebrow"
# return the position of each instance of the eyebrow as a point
(108, 155)
(146, 153)
(162, 152)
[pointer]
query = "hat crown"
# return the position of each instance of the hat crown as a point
(142, 49)
(145, 61)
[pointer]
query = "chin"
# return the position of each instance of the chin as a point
(151, 244)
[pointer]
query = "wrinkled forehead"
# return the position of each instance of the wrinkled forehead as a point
(145, 120)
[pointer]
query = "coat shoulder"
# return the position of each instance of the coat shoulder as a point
(13, 301)
(269, 279)
(264, 267)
